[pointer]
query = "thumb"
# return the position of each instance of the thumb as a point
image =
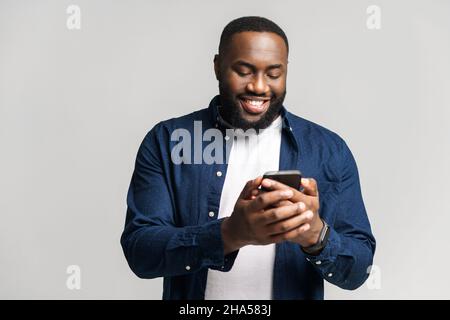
(249, 187)
(310, 187)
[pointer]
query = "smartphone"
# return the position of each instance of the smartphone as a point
(291, 178)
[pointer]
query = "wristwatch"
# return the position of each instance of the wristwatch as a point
(315, 249)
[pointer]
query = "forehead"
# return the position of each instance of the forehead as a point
(257, 46)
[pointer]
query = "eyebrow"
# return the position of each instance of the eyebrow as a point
(251, 66)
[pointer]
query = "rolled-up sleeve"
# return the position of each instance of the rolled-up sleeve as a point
(348, 255)
(152, 243)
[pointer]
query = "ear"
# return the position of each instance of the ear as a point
(217, 66)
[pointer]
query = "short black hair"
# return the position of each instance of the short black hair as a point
(250, 23)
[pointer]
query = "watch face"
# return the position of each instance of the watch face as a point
(323, 234)
(323, 238)
(326, 233)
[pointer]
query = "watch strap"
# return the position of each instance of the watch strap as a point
(315, 249)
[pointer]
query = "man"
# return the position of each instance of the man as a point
(207, 227)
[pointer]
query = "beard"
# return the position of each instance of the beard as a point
(232, 112)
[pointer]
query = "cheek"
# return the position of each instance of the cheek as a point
(235, 83)
(278, 88)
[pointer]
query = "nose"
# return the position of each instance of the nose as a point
(258, 85)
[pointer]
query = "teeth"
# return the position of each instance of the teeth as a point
(255, 103)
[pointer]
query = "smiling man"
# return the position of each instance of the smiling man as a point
(251, 68)
(209, 230)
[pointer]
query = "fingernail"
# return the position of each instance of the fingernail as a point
(309, 214)
(267, 183)
(287, 193)
(305, 182)
(301, 206)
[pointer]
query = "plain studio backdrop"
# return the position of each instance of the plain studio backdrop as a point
(76, 103)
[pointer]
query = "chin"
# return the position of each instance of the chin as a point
(251, 117)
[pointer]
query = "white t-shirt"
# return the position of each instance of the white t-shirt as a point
(252, 274)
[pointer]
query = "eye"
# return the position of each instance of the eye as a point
(274, 75)
(243, 73)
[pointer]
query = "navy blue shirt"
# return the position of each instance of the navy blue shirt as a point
(169, 231)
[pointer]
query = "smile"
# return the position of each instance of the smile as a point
(254, 106)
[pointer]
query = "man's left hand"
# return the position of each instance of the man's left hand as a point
(308, 233)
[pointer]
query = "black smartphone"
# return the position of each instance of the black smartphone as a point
(291, 178)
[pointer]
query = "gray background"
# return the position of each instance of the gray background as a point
(75, 105)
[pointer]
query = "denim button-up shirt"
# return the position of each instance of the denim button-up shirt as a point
(171, 233)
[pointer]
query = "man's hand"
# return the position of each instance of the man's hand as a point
(308, 233)
(259, 219)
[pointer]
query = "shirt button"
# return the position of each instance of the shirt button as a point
(217, 125)
(227, 138)
(211, 214)
(219, 173)
(330, 275)
(290, 128)
(318, 262)
(308, 259)
(188, 268)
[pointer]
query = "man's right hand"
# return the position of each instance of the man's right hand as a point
(257, 218)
